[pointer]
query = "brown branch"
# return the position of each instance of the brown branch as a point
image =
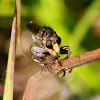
(80, 60)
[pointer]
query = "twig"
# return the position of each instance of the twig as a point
(80, 60)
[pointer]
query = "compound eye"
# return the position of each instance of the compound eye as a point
(49, 44)
(58, 40)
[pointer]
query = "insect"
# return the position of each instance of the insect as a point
(48, 50)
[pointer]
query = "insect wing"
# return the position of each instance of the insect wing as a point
(37, 51)
(33, 27)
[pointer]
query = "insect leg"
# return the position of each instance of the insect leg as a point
(59, 70)
(64, 51)
(41, 58)
(48, 68)
(44, 65)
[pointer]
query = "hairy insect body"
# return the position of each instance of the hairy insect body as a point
(48, 51)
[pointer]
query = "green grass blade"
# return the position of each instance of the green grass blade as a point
(10, 65)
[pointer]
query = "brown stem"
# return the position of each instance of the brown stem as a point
(80, 60)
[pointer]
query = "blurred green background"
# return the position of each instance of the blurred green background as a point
(77, 22)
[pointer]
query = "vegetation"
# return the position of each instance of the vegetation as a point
(77, 23)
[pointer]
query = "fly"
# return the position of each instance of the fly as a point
(48, 50)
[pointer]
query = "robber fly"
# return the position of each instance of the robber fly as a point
(48, 50)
